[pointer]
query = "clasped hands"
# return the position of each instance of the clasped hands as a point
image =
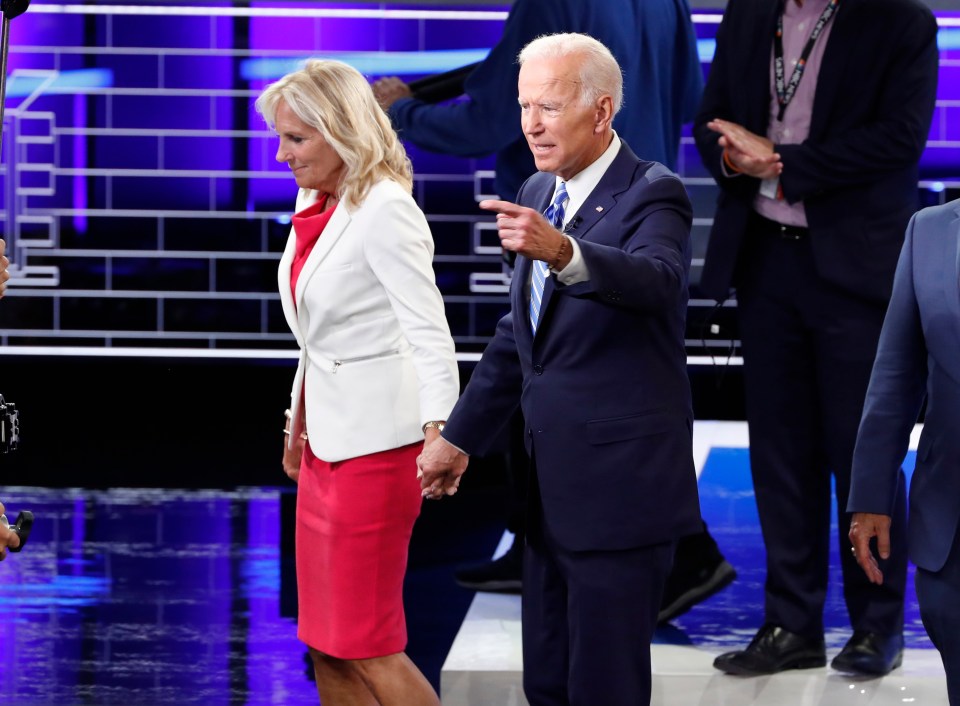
(439, 468)
(748, 152)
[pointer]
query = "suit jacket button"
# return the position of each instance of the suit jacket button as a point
(538, 369)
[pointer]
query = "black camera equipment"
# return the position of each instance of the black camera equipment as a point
(21, 527)
(9, 427)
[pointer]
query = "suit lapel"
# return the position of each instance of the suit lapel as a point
(952, 282)
(841, 45)
(758, 115)
(286, 295)
(936, 272)
(331, 234)
(615, 181)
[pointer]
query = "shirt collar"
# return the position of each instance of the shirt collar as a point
(580, 186)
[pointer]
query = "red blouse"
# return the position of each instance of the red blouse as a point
(308, 225)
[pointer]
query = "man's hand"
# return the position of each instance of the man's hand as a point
(863, 527)
(748, 152)
(389, 90)
(8, 538)
(439, 468)
(525, 231)
(4, 264)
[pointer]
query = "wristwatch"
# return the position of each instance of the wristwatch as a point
(434, 425)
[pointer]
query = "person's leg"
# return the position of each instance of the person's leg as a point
(699, 571)
(546, 663)
(938, 593)
(395, 681)
(790, 477)
(392, 680)
(791, 480)
(613, 599)
(338, 683)
(848, 330)
(505, 573)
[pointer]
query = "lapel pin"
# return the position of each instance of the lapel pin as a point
(599, 209)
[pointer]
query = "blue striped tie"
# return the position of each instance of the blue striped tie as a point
(554, 214)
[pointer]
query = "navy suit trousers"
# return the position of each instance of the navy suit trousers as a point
(588, 618)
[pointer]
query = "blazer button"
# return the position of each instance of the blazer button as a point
(538, 369)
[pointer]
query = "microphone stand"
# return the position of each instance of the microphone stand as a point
(10, 10)
(9, 424)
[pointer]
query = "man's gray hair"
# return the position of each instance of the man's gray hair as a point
(600, 73)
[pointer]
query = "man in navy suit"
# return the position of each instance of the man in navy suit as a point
(918, 359)
(813, 120)
(655, 44)
(593, 352)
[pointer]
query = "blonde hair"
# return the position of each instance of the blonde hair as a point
(336, 99)
(600, 73)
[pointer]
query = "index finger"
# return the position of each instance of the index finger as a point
(507, 208)
(883, 542)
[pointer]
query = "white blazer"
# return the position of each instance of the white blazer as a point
(376, 357)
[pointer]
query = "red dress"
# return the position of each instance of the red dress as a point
(354, 521)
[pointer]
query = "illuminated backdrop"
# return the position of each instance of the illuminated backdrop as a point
(141, 201)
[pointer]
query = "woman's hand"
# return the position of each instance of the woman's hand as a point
(293, 454)
(292, 457)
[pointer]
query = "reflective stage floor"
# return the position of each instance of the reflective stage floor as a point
(166, 596)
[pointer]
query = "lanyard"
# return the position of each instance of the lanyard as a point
(785, 93)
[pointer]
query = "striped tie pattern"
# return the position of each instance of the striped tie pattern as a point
(554, 214)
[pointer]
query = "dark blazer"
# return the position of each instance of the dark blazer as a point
(857, 171)
(918, 357)
(603, 385)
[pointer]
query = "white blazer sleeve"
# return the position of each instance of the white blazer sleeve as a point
(398, 247)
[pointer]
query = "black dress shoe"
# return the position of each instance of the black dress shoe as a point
(503, 575)
(773, 650)
(699, 571)
(869, 653)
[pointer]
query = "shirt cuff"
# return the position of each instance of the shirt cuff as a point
(453, 445)
(576, 270)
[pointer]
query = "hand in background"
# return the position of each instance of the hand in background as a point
(863, 527)
(748, 152)
(439, 468)
(389, 90)
(4, 275)
(8, 538)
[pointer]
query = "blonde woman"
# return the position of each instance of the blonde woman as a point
(377, 375)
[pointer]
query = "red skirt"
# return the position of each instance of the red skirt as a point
(354, 521)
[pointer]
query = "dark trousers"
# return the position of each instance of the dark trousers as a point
(808, 351)
(938, 593)
(588, 618)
